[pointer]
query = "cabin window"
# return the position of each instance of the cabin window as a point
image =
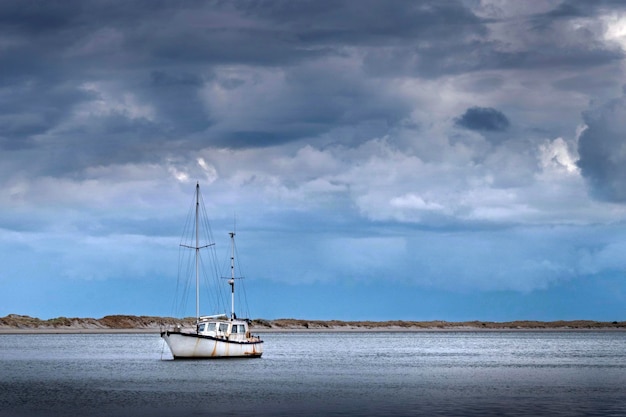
(237, 328)
(223, 327)
(211, 327)
(201, 328)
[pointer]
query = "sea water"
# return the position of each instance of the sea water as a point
(371, 373)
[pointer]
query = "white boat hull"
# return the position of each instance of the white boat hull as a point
(193, 346)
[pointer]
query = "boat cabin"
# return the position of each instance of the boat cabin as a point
(230, 330)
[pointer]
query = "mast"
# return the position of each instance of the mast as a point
(231, 281)
(197, 250)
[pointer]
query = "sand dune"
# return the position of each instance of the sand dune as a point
(14, 323)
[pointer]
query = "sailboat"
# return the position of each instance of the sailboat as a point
(215, 336)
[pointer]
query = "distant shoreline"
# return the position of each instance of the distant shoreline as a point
(20, 324)
(5, 331)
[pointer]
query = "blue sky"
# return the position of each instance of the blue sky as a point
(456, 160)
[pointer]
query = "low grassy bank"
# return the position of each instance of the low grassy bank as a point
(126, 323)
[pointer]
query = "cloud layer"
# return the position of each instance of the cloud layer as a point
(460, 145)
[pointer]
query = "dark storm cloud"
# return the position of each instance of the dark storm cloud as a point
(110, 139)
(40, 107)
(433, 59)
(555, 43)
(483, 119)
(371, 23)
(601, 149)
(175, 96)
(581, 8)
(166, 55)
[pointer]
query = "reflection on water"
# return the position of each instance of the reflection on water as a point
(429, 373)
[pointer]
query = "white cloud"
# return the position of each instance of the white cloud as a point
(209, 170)
(179, 175)
(507, 184)
(615, 28)
(556, 156)
(123, 192)
(412, 201)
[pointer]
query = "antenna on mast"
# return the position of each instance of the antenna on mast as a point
(231, 279)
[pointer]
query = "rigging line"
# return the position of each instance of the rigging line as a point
(243, 287)
(184, 259)
(208, 236)
(181, 281)
(246, 311)
(182, 285)
(209, 286)
(245, 300)
(187, 269)
(219, 293)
